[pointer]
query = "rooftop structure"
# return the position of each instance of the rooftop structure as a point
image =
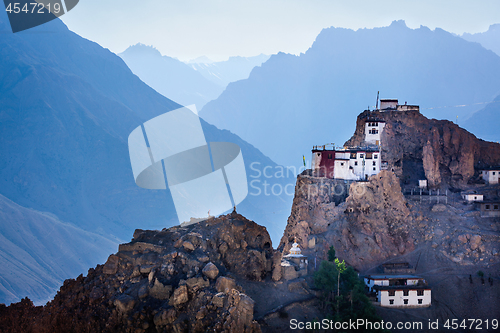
(392, 105)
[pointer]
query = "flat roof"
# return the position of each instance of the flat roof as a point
(410, 287)
(388, 276)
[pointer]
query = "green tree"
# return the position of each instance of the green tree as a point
(343, 293)
(331, 254)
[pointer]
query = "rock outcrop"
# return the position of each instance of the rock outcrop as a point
(373, 224)
(157, 283)
(416, 147)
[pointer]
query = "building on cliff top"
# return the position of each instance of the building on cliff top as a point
(491, 175)
(345, 163)
(407, 291)
(294, 264)
(392, 105)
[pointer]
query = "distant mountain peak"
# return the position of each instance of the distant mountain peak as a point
(398, 24)
(142, 49)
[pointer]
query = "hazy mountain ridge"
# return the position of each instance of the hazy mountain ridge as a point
(67, 106)
(37, 252)
(224, 72)
(484, 122)
(489, 39)
(170, 77)
(303, 97)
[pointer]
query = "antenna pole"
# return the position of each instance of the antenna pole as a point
(376, 104)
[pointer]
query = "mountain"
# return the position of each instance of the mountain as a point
(67, 106)
(291, 103)
(170, 77)
(37, 252)
(489, 39)
(224, 72)
(485, 121)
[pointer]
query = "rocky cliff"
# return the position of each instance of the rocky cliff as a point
(376, 223)
(416, 147)
(373, 224)
(175, 280)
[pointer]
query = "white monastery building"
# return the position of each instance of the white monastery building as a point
(490, 176)
(399, 290)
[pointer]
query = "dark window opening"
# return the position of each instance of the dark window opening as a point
(406, 292)
(487, 207)
(375, 156)
(420, 293)
(391, 301)
(374, 163)
(405, 301)
(392, 293)
(419, 301)
(329, 156)
(356, 163)
(495, 207)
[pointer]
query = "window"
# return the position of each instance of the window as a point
(391, 301)
(495, 207)
(329, 156)
(375, 156)
(487, 207)
(405, 301)
(353, 156)
(493, 173)
(420, 293)
(475, 198)
(342, 164)
(392, 293)
(356, 163)
(419, 301)
(406, 292)
(374, 169)
(361, 155)
(319, 154)
(374, 163)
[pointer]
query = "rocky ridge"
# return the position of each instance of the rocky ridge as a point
(439, 150)
(174, 280)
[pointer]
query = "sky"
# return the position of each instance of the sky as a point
(187, 29)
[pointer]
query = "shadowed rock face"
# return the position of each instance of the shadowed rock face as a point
(439, 150)
(372, 225)
(156, 283)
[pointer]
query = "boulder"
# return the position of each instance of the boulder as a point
(111, 265)
(218, 300)
(124, 303)
(188, 246)
(225, 284)
(180, 296)
(210, 270)
(160, 291)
